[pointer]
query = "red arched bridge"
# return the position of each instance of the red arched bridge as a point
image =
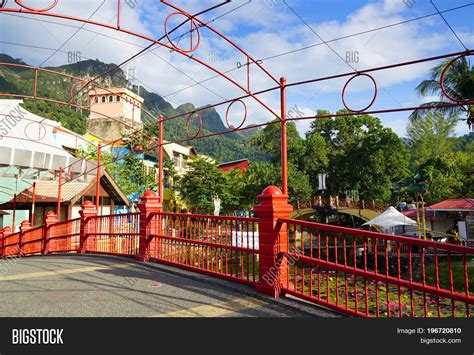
(352, 272)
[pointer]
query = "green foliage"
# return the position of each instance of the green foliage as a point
(465, 143)
(269, 140)
(205, 181)
(443, 177)
(262, 175)
(257, 177)
(127, 172)
(442, 165)
(430, 136)
(459, 84)
(70, 118)
(358, 153)
(129, 175)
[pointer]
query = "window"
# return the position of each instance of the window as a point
(96, 100)
(103, 99)
(111, 99)
(177, 161)
(118, 98)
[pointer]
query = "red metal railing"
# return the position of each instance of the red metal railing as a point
(368, 274)
(114, 234)
(226, 247)
(32, 241)
(11, 244)
(63, 237)
(354, 272)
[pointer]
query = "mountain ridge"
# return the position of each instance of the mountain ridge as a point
(228, 147)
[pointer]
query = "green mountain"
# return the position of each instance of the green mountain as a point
(232, 146)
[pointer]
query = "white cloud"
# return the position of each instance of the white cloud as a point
(262, 30)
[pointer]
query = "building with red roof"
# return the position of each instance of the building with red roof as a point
(241, 165)
(458, 205)
(448, 216)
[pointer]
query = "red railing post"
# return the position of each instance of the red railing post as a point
(88, 210)
(273, 241)
(6, 231)
(49, 219)
(2, 238)
(149, 204)
(24, 226)
(3, 233)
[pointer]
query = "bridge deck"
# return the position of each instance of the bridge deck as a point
(86, 286)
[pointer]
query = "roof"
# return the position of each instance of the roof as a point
(47, 191)
(429, 214)
(465, 204)
(242, 164)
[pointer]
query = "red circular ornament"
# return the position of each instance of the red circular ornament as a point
(227, 115)
(189, 120)
(53, 4)
(194, 27)
(345, 88)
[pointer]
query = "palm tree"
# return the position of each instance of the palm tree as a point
(459, 84)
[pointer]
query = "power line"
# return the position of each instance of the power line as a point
(167, 96)
(61, 51)
(329, 41)
(130, 59)
(447, 23)
(332, 49)
(317, 34)
(131, 43)
(72, 36)
(67, 41)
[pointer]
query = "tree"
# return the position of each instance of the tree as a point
(204, 182)
(361, 155)
(466, 165)
(262, 175)
(443, 176)
(257, 177)
(269, 140)
(430, 136)
(459, 84)
(315, 160)
(126, 169)
(129, 174)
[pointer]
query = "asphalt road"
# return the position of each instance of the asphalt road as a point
(91, 286)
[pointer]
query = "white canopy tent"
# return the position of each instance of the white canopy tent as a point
(389, 219)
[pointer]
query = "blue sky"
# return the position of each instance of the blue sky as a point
(264, 28)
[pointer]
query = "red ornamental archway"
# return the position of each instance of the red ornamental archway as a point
(196, 25)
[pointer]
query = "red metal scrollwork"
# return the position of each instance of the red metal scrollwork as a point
(53, 4)
(229, 125)
(347, 84)
(443, 77)
(199, 127)
(194, 28)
